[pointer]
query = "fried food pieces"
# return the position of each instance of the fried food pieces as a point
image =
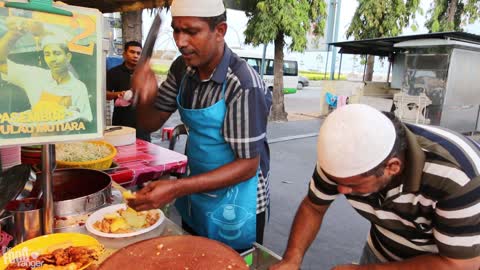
(126, 221)
(128, 195)
(70, 258)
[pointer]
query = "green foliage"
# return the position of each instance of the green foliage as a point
(292, 18)
(272, 20)
(376, 19)
(160, 69)
(445, 15)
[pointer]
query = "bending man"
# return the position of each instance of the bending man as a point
(419, 186)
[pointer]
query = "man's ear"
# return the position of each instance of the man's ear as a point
(393, 167)
(221, 29)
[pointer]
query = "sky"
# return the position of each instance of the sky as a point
(308, 61)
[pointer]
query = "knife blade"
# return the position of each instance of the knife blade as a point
(148, 47)
(150, 40)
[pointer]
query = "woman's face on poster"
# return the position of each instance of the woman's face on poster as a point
(56, 57)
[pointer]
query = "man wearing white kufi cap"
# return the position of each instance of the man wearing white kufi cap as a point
(224, 104)
(419, 186)
(45, 86)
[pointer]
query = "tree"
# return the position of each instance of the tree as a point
(132, 22)
(132, 26)
(377, 19)
(450, 15)
(273, 20)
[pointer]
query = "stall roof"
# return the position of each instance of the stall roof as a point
(108, 6)
(385, 46)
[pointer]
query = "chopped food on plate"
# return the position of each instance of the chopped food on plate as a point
(128, 195)
(126, 221)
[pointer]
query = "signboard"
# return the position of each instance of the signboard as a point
(50, 76)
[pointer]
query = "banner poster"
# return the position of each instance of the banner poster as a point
(50, 76)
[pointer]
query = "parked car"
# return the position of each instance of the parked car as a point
(302, 82)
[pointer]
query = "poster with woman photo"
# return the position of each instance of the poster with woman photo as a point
(50, 76)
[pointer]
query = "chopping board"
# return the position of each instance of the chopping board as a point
(175, 253)
(119, 135)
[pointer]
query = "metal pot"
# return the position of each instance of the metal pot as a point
(77, 193)
(27, 219)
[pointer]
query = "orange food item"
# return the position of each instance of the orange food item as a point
(70, 258)
(176, 253)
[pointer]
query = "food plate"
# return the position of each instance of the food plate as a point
(100, 214)
(48, 243)
(70, 115)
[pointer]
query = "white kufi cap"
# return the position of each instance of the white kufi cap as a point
(197, 8)
(54, 39)
(354, 139)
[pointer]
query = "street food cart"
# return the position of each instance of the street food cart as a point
(433, 79)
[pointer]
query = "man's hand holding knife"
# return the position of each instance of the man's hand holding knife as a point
(144, 84)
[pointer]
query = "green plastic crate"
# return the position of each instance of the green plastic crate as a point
(260, 257)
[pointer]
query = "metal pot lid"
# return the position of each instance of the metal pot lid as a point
(12, 182)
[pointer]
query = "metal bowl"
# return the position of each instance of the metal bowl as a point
(77, 193)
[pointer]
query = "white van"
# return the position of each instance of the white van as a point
(290, 69)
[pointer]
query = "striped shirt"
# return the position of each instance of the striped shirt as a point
(434, 207)
(248, 105)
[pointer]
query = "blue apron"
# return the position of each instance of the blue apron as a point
(227, 215)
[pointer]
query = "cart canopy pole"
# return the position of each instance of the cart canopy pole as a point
(48, 166)
(365, 67)
(340, 66)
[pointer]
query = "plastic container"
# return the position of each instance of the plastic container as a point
(260, 257)
(98, 164)
(6, 232)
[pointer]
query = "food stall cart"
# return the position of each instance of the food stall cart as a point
(433, 77)
(45, 122)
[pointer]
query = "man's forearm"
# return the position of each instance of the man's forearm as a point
(149, 118)
(306, 225)
(112, 95)
(427, 262)
(224, 176)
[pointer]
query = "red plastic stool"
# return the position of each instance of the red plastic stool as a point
(168, 131)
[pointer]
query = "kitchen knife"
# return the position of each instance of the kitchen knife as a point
(148, 47)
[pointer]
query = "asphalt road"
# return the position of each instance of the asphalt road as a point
(343, 232)
(293, 158)
(305, 101)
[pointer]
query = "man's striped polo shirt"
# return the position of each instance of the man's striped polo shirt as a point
(248, 105)
(433, 207)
